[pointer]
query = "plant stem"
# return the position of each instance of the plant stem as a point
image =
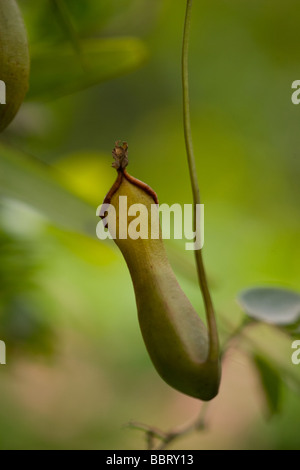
(196, 425)
(165, 438)
(209, 309)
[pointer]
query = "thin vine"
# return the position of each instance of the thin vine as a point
(157, 439)
(209, 309)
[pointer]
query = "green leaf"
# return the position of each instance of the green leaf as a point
(28, 180)
(274, 346)
(271, 383)
(293, 330)
(271, 305)
(60, 71)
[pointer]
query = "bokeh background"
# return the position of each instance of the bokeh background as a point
(77, 369)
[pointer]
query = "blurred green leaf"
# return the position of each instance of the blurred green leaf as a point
(293, 330)
(274, 345)
(271, 383)
(24, 322)
(271, 305)
(17, 267)
(58, 71)
(26, 327)
(89, 17)
(88, 174)
(63, 16)
(84, 247)
(28, 180)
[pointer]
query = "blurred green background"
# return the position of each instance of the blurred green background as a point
(77, 369)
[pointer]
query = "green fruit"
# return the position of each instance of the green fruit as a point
(14, 60)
